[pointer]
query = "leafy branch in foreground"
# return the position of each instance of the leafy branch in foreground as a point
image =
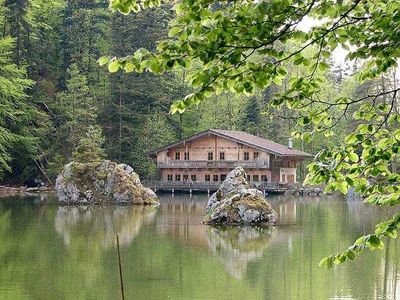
(242, 46)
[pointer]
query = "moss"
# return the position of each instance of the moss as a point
(93, 176)
(254, 203)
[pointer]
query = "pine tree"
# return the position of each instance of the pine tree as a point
(76, 111)
(89, 148)
(251, 120)
(134, 96)
(16, 114)
(18, 26)
(157, 131)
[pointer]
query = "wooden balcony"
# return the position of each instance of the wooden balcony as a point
(208, 186)
(211, 164)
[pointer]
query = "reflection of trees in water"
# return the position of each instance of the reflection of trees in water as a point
(99, 225)
(236, 246)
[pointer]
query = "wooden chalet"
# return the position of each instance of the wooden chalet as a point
(208, 156)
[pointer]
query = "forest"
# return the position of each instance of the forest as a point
(53, 90)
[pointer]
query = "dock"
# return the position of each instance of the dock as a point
(207, 187)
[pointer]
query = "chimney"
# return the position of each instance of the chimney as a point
(290, 145)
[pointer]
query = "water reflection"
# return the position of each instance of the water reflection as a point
(236, 246)
(180, 218)
(99, 225)
(51, 252)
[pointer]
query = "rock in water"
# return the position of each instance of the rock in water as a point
(235, 203)
(102, 182)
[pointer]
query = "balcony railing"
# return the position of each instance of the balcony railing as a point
(214, 164)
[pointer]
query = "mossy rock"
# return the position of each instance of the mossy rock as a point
(102, 182)
(235, 203)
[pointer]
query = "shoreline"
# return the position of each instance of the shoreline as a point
(7, 191)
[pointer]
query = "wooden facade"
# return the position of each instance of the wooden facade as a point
(210, 155)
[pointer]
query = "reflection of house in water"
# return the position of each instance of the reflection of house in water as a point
(99, 225)
(287, 211)
(236, 246)
(182, 220)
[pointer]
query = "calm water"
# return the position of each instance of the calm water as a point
(52, 252)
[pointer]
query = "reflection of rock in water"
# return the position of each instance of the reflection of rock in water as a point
(99, 225)
(236, 246)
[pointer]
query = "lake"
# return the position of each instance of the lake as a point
(57, 252)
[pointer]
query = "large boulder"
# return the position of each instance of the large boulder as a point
(102, 182)
(235, 203)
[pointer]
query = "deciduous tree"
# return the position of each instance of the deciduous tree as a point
(239, 47)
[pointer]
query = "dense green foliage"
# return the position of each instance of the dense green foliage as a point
(15, 112)
(240, 65)
(49, 54)
(244, 46)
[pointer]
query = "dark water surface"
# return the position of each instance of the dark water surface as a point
(52, 252)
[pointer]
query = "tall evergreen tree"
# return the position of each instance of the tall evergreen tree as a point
(251, 118)
(133, 96)
(76, 111)
(19, 26)
(16, 114)
(157, 131)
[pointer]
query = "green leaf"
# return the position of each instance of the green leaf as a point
(343, 188)
(305, 120)
(350, 181)
(298, 61)
(277, 80)
(282, 70)
(323, 66)
(129, 67)
(174, 31)
(103, 60)
(374, 242)
(353, 157)
(113, 66)
(351, 255)
(154, 66)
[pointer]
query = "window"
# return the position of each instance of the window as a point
(255, 177)
(185, 177)
(215, 177)
(248, 177)
(246, 156)
(177, 177)
(283, 178)
(264, 178)
(186, 155)
(207, 177)
(177, 156)
(193, 177)
(255, 154)
(222, 155)
(169, 177)
(210, 156)
(223, 177)
(290, 178)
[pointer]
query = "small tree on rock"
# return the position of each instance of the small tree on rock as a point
(89, 148)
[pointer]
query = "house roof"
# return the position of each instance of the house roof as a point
(243, 138)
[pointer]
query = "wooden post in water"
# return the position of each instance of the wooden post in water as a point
(120, 269)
